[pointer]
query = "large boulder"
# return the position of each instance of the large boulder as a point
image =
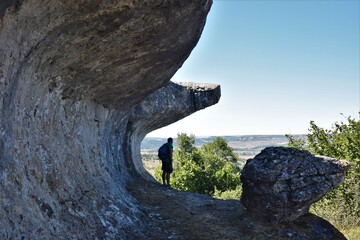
(281, 183)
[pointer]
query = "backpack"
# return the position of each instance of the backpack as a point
(163, 151)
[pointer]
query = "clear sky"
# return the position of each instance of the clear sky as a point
(280, 65)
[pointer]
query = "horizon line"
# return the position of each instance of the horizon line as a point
(235, 135)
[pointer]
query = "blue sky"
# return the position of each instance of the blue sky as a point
(280, 65)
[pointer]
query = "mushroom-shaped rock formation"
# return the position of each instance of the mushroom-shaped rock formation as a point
(75, 85)
(167, 105)
(281, 183)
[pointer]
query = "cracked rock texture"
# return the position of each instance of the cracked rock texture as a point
(75, 77)
(281, 183)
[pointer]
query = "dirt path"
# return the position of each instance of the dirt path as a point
(180, 215)
(172, 214)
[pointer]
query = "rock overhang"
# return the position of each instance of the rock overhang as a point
(172, 103)
(71, 75)
(102, 52)
(167, 105)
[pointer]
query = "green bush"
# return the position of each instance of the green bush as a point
(213, 168)
(229, 194)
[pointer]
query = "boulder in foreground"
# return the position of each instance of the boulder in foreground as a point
(281, 183)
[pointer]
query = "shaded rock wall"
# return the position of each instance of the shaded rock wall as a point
(74, 76)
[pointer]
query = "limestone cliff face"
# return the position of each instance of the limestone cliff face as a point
(76, 79)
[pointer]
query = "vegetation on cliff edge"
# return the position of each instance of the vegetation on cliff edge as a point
(212, 169)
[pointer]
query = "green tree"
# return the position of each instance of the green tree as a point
(221, 163)
(220, 148)
(188, 172)
(296, 142)
(212, 168)
(185, 143)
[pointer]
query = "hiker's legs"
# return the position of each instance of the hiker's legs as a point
(168, 179)
(163, 177)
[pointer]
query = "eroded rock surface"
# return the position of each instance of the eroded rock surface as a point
(172, 103)
(281, 183)
(71, 76)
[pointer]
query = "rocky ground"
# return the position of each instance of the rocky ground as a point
(180, 215)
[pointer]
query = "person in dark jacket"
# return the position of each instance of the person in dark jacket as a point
(167, 167)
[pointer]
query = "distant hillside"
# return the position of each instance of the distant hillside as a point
(245, 145)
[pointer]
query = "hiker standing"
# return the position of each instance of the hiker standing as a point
(165, 154)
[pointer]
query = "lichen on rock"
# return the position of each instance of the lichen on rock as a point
(281, 183)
